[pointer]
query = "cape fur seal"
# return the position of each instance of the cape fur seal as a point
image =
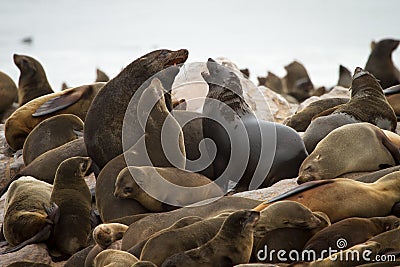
(134, 182)
(229, 120)
(51, 133)
(334, 155)
(367, 104)
(296, 82)
(380, 62)
(107, 233)
(32, 80)
(355, 199)
(232, 245)
(72, 195)
(112, 257)
(272, 82)
(71, 101)
(344, 77)
(101, 76)
(29, 214)
(104, 140)
(8, 93)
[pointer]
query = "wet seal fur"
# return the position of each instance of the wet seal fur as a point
(32, 80)
(132, 182)
(334, 155)
(232, 245)
(351, 196)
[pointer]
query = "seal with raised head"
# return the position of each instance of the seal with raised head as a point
(344, 77)
(101, 76)
(73, 196)
(353, 230)
(29, 214)
(334, 155)
(104, 140)
(367, 104)
(231, 246)
(242, 141)
(32, 80)
(134, 182)
(296, 82)
(51, 133)
(355, 199)
(8, 93)
(71, 101)
(380, 62)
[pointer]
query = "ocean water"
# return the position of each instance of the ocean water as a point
(72, 38)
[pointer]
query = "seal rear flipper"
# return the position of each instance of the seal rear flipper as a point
(392, 90)
(61, 102)
(327, 112)
(41, 236)
(298, 189)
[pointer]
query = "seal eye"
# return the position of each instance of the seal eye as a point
(83, 166)
(127, 190)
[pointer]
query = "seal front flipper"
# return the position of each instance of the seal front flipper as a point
(392, 90)
(298, 189)
(63, 101)
(327, 112)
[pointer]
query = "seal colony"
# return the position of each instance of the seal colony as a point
(146, 207)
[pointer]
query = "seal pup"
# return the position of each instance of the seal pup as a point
(302, 119)
(353, 230)
(32, 80)
(151, 145)
(107, 233)
(104, 140)
(8, 93)
(101, 76)
(351, 196)
(134, 182)
(29, 213)
(367, 104)
(380, 62)
(344, 77)
(72, 195)
(71, 101)
(228, 119)
(334, 155)
(115, 258)
(296, 82)
(232, 245)
(51, 133)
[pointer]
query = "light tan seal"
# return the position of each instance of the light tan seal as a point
(334, 155)
(51, 133)
(133, 181)
(72, 195)
(32, 80)
(29, 214)
(71, 101)
(114, 258)
(351, 196)
(107, 233)
(231, 246)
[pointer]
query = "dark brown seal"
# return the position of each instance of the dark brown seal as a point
(232, 245)
(296, 82)
(104, 140)
(272, 82)
(32, 80)
(73, 196)
(380, 63)
(347, 194)
(101, 76)
(51, 133)
(344, 77)
(8, 93)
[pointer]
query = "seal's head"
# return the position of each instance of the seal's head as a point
(362, 81)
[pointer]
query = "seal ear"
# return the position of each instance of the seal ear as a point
(61, 102)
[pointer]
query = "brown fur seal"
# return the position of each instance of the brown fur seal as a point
(374, 176)
(232, 245)
(353, 230)
(334, 155)
(367, 104)
(71, 101)
(104, 140)
(101, 76)
(272, 82)
(162, 246)
(137, 249)
(344, 77)
(297, 83)
(51, 133)
(302, 119)
(88, 262)
(147, 151)
(72, 195)
(114, 258)
(351, 196)
(228, 120)
(107, 233)
(137, 183)
(8, 93)
(29, 214)
(78, 259)
(32, 80)
(153, 223)
(380, 62)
